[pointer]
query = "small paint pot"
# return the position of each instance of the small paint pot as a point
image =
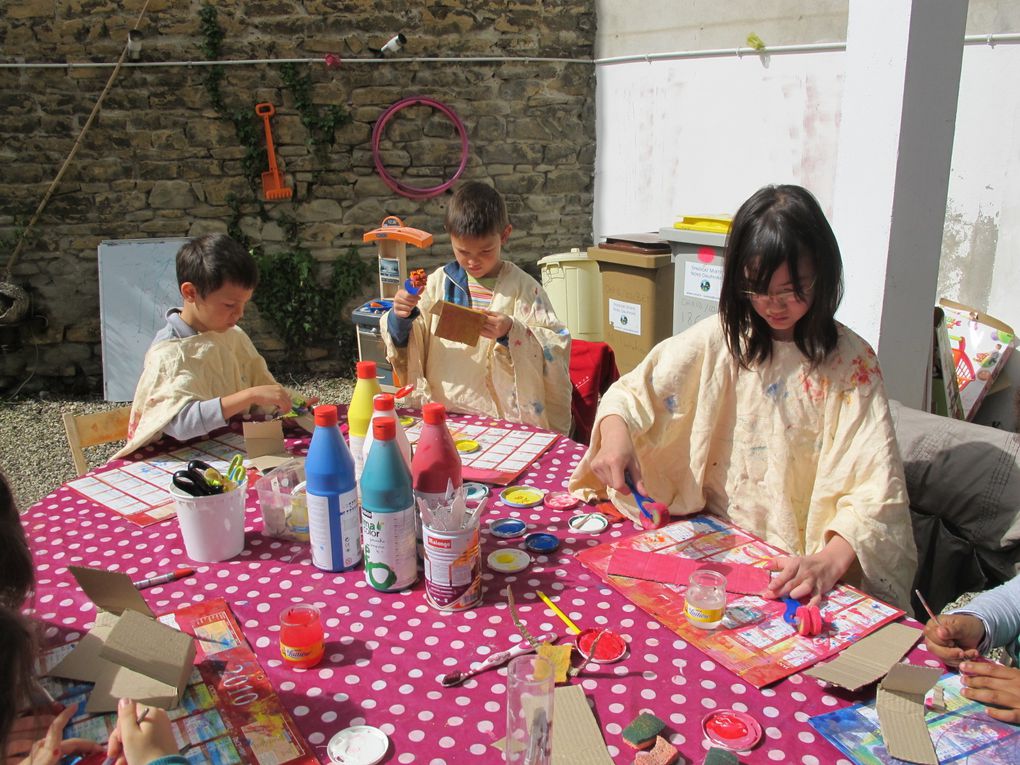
(561, 500)
(468, 446)
(508, 560)
(730, 729)
(611, 647)
(358, 745)
(589, 523)
(475, 492)
(507, 528)
(542, 542)
(406, 421)
(521, 496)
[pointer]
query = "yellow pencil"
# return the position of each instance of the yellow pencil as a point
(563, 617)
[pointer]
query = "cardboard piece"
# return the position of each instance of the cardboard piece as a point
(268, 462)
(900, 705)
(262, 438)
(980, 346)
(869, 658)
(127, 653)
(458, 323)
(676, 570)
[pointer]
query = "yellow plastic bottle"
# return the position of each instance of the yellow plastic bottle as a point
(359, 413)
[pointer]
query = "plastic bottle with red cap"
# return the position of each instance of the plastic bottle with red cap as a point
(334, 523)
(388, 513)
(384, 407)
(436, 461)
(359, 413)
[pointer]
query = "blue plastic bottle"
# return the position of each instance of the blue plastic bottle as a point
(388, 513)
(334, 526)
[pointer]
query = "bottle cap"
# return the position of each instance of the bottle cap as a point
(508, 560)
(325, 416)
(730, 729)
(521, 496)
(358, 745)
(507, 528)
(541, 542)
(560, 500)
(433, 414)
(383, 402)
(589, 523)
(384, 429)
(366, 370)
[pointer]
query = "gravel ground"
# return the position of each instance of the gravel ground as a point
(33, 447)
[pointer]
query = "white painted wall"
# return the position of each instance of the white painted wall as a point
(699, 135)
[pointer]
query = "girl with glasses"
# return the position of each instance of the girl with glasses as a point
(771, 414)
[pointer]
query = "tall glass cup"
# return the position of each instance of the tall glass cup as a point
(530, 684)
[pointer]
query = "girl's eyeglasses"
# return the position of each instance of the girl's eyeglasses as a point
(782, 297)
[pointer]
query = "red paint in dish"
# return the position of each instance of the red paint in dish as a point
(611, 646)
(734, 730)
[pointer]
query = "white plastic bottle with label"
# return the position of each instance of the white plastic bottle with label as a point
(334, 519)
(384, 406)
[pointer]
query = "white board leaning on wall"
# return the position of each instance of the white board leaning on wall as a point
(137, 283)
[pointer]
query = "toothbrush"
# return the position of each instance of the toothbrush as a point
(654, 515)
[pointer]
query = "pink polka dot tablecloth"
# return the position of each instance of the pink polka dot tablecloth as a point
(385, 652)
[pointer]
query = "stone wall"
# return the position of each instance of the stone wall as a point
(160, 161)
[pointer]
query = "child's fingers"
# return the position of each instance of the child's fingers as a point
(127, 717)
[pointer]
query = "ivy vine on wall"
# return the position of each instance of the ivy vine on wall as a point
(291, 293)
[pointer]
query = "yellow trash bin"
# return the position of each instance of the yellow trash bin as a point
(574, 285)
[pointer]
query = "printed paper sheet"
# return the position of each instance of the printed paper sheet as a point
(229, 715)
(753, 641)
(963, 733)
(139, 491)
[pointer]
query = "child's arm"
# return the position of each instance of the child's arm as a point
(954, 637)
(266, 396)
(811, 575)
(999, 610)
(994, 685)
(497, 326)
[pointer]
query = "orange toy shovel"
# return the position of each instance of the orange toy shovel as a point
(272, 182)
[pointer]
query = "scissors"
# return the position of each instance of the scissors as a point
(193, 482)
(236, 471)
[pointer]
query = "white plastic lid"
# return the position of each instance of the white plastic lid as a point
(358, 745)
(508, 560)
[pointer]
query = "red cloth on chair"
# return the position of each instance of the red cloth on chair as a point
(592, 371)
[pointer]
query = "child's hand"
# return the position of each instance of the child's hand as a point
(955, 639)
(496, 325)
(993, 684)
(616, 455)
(271, 397)
(810, 575)
(137, 743)
(50, 749)
(404, 302)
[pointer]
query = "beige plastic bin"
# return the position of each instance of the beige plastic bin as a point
(574, 285)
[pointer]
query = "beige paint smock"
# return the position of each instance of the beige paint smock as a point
(792, 455)
(527, 380)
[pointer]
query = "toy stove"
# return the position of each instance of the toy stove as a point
(370, 345)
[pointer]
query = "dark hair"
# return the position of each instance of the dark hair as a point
(211, 260)
(17, 659)
(780, 225)
(476, 209)
(16, 573)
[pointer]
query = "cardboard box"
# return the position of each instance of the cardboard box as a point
(458, 323)
(637, 302)
(980, 345)
(900, 706)
(127, 653)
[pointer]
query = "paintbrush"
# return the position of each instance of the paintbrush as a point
(927, 608)
(493, 660)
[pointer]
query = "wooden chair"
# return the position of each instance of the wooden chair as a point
(94, 429)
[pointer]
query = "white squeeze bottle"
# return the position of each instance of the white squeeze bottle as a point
(334, 523)
(384, 407)
(359, 413)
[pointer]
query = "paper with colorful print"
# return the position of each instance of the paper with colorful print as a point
(673, 569)
(962, 732)
(753, 641)
(228, 715)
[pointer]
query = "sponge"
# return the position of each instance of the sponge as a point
(641, 733)
(663, 753)
(717, 756)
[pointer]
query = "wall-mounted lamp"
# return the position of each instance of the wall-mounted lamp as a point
(393, 46)
(134, 44)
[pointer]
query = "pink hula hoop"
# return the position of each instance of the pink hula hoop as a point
(400, 187)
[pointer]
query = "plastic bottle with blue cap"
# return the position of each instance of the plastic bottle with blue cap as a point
(334, 523)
